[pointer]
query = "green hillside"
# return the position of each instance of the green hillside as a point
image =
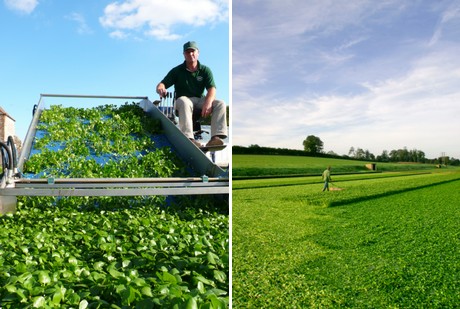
(277, 165)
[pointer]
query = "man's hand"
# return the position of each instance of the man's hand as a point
(161, 90)
(206, 110)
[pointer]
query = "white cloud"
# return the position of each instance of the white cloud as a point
(23, 6)
(302, 41)
(450, 15)
(159, 18)
(83, 27)
(354, 73)
(417, 110)
(117, 34)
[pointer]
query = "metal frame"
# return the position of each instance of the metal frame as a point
(214, 179)
(188, 151)
(116, 187)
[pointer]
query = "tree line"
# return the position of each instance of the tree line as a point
(313, 146)
(396, 155)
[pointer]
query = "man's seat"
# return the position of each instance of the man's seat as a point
(196, 119)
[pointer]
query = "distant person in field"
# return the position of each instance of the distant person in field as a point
(190, 79)
(327, 178)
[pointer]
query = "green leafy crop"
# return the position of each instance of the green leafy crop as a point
(380, 242)
(111, 252)
(105, 141)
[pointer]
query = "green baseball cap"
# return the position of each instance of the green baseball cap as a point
(190, 45)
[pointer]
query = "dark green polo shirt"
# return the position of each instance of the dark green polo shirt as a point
(187, 83)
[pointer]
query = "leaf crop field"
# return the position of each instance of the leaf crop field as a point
(111, 252)
(278, 165)
(386, 240)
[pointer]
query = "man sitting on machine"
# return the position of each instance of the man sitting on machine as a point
(190, 79)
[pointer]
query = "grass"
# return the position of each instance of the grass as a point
(266, 165)
(303, 180)
(383, 242)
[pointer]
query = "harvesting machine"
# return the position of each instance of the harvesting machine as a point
(208, 177)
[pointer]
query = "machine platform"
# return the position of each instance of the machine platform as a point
(207, 177)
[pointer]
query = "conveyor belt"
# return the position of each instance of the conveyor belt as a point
(214, 179)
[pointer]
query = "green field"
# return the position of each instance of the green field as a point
(276, 165)
(387, 240)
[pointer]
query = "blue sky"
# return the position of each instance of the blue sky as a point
(103, 47)
(376, 75)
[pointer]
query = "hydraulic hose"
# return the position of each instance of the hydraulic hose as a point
(4, 160)
(14, 152)
(9, 155)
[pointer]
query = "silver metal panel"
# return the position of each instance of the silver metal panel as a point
(67, 183)
(186, 149)
(122, 185)
(28, 141)
(117, 180)
(114, 192)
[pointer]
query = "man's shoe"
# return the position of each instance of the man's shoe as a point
(196, 143)
(215, 141)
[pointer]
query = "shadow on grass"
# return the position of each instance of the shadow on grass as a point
(387, 193)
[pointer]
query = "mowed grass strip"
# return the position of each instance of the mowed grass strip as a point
(397, 250)
(289, 181)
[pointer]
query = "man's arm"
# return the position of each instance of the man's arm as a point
(167, 82)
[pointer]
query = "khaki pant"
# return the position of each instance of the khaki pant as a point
(185, 105)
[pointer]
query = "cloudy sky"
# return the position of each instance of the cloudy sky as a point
(378, 75)
(103, 47)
